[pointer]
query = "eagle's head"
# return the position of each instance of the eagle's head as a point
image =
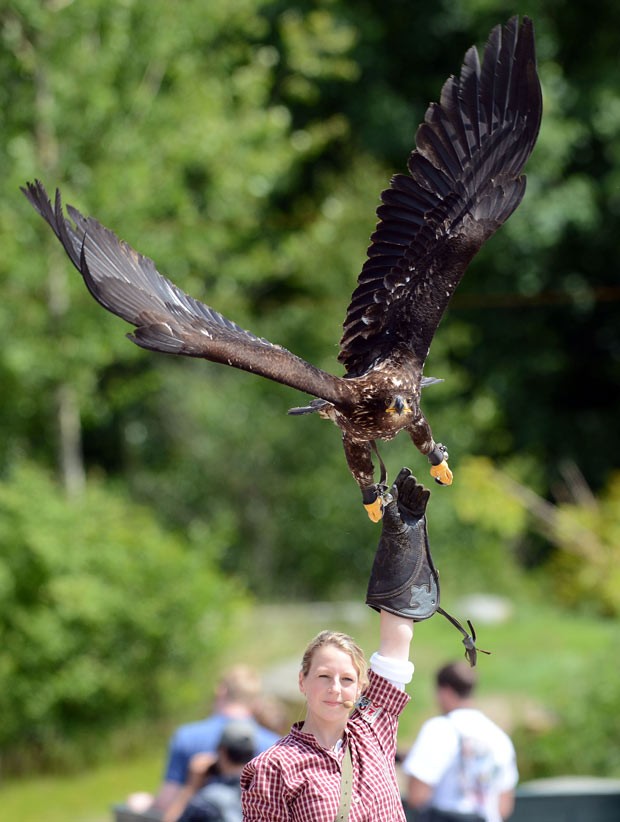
(400, 405)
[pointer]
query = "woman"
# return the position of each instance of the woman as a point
(300, 778)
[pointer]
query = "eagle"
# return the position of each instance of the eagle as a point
(464, 180)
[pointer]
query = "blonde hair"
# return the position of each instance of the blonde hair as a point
(345, 643)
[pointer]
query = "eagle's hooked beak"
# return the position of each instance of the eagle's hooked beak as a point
(399, 405)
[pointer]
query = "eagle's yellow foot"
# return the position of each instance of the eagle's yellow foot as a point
(441, 473)
(375, 509)
(374, 499)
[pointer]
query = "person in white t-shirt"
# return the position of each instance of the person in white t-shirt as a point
(461, 761)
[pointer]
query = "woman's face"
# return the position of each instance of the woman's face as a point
(331, 681)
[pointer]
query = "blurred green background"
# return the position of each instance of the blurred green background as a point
(161, 517)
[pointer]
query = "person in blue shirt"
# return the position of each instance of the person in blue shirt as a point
(236, 692)
(219, 800)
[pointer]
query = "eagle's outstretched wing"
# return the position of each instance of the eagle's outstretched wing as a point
(464, 183)
(167, 319)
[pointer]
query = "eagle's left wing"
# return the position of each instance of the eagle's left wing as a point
(165, 318)
(465, 181)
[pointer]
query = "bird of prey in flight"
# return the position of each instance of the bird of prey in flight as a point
(464, 180)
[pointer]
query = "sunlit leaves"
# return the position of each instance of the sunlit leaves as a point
(99, 608)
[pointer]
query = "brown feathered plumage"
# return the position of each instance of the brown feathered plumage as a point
(464, 181)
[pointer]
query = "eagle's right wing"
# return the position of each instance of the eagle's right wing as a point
(464, 182)
(166, 319)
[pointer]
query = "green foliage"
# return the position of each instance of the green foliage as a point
(586, 567)
(102, 615)
(583, 571)
(478, 501)
(583, 736)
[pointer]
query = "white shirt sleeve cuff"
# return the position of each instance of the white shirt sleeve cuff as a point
(397, 671)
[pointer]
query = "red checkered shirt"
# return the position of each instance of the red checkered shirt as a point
(297, 780)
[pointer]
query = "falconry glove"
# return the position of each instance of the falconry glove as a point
(403, 579)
